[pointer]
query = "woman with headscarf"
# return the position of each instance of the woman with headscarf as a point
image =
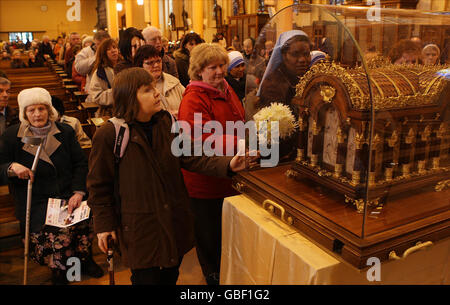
(317, 57)
(430, 54)
(291, 58)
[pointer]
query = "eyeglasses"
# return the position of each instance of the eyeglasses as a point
(153, 62)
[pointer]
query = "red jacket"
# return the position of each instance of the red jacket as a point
(199, 97)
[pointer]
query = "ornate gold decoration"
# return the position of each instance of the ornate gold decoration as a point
(406, 170)
(377, 62)
(392, 141)
(388, 172)
(442, 131)
(334, 70)
(410, 137)
(436, 161)
(324, 173)
(291, 173)
(359, 140)
(376, 140)
(327, 93)
(430, 84)
(442, 185)
(408, 81)
(425, 134)
(359, 203)
(315, 129)
(301, 124)
(314, 160)
(356, 178)
(340, 136)
(421, 166)
(338, 168)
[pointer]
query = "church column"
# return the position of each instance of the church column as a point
(154, 13)
(129, 13)
(286, 23)
(197, 16)
(147, 9)
(113, 22)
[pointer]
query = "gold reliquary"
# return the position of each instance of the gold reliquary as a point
(384, 128)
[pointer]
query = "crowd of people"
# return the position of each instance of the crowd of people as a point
(155, 205)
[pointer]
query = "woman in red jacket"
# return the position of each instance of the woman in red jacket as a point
(208, 95)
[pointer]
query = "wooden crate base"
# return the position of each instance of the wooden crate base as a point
(323, 216)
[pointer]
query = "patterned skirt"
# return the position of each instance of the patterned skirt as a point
(53, 246)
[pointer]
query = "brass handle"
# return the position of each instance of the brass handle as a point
(239, 187)
(417, 247)
(273, 204)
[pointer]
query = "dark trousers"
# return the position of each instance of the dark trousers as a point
(208, 236)
(156, 275)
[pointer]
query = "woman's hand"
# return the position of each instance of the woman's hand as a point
(74, 202)
(22, 172)
(238, 162)
(103, 240)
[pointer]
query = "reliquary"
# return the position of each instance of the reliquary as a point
(408, 148)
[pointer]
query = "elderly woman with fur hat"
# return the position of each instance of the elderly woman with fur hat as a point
(61, 173)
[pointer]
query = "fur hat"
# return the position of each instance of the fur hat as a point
(35, 96)
(236, 59)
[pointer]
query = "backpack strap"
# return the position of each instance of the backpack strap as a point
(120, 144)
(122, 137)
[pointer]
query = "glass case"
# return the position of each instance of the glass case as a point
(360, 101)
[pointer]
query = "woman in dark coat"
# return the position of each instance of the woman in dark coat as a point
(130, 40)
(61, 173)
(182, 56)
(152, 222)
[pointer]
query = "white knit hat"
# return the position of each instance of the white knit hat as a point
(35, 96)
(236, 59)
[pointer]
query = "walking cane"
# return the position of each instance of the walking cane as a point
(110, 259)
(30, 141)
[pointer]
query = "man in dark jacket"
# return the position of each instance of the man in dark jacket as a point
(153, 36)
(45, 48)
(8, 115)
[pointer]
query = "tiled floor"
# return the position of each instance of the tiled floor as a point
(11, 270)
